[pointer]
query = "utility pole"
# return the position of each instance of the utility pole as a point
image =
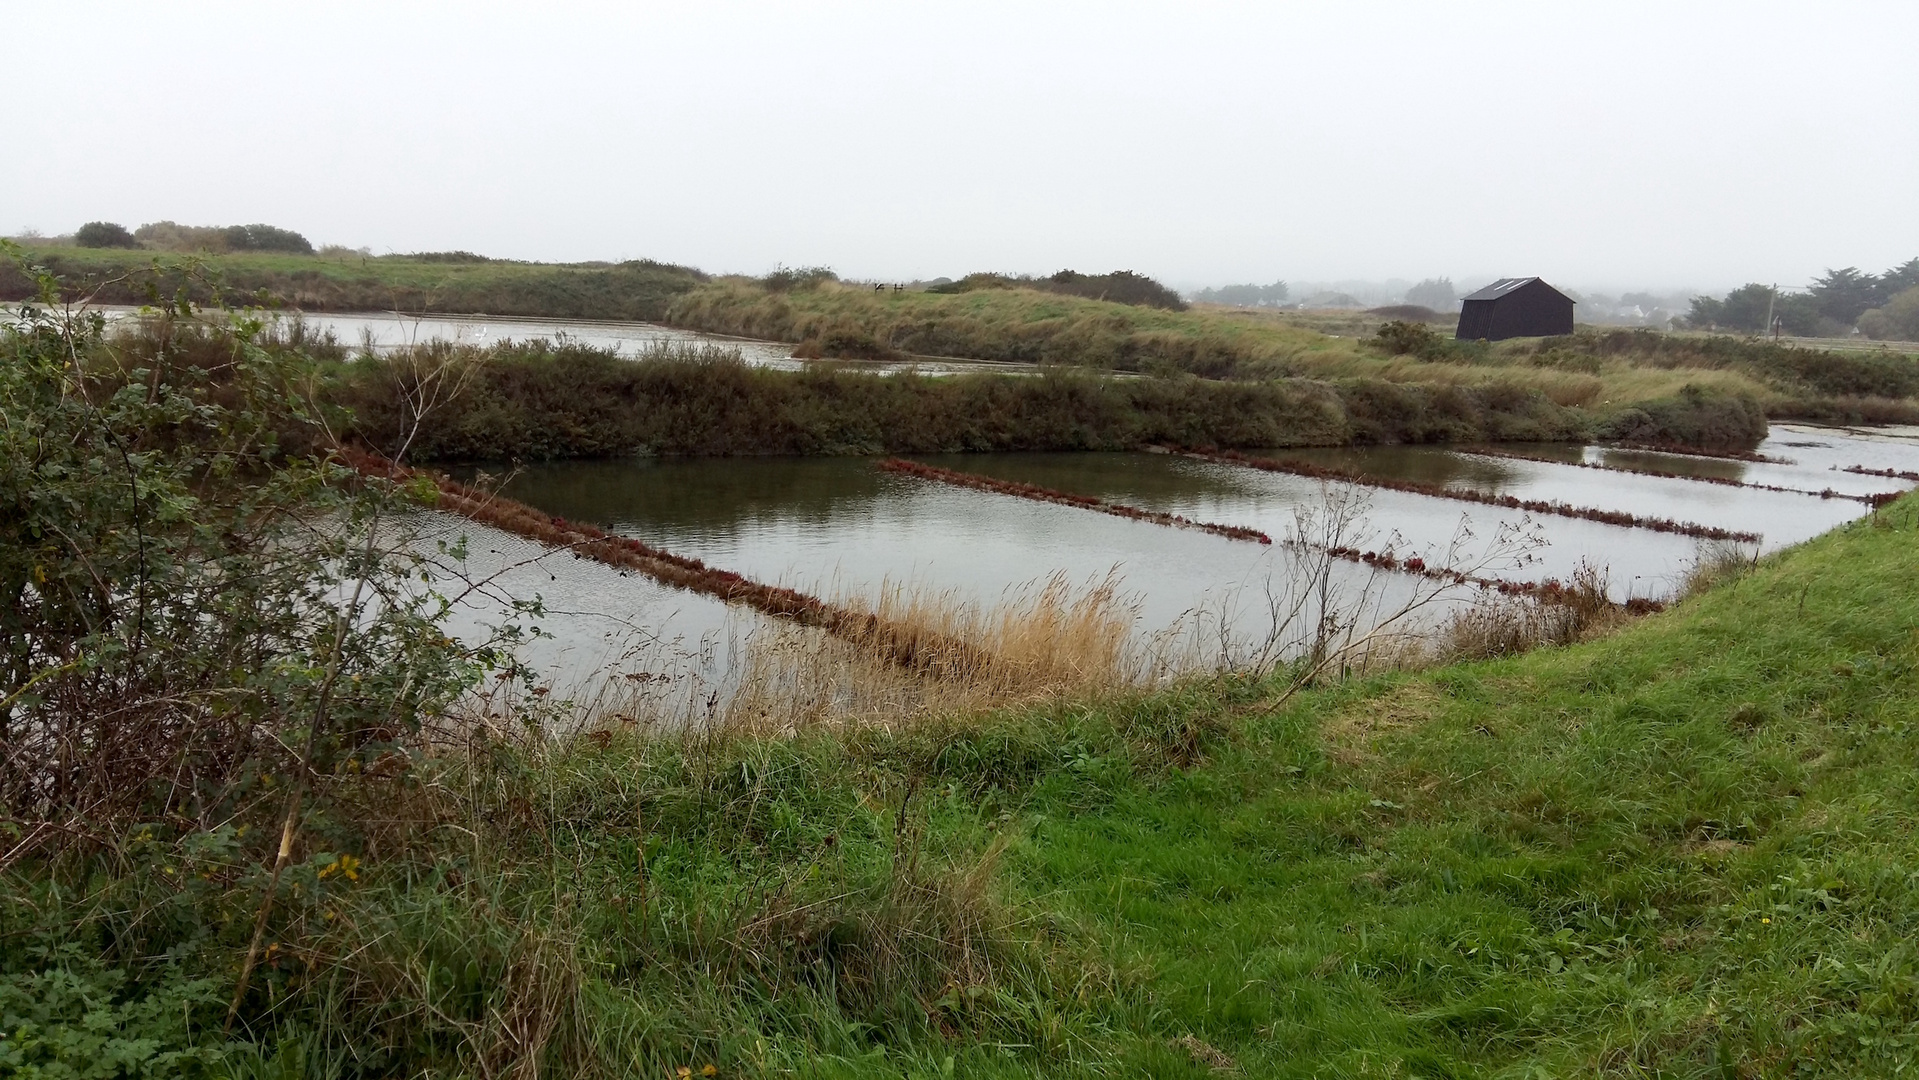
(1771, 297)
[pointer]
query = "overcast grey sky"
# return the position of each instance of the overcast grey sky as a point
(1624, 144)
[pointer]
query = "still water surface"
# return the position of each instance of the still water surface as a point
(839, 526)
(385, 331)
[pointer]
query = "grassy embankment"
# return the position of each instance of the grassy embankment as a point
(638, 290)
(1601, 373)
(535, 402)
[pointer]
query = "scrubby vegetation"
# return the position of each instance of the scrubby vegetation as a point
(433, 282)
(263, 818)
(1897, 320)
(104, 234)
(1119, 287)
(1613, 380)
(537, 401)
(1599, 372)
(1787, 381)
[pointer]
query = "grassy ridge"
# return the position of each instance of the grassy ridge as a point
(639, 290)
(1603, 372)
(535, 402)
(1685, 850)
(1011, 324)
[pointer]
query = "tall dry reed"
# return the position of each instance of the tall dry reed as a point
(1047, 639)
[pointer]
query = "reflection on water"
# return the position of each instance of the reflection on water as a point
(841, 527)
(385, 331)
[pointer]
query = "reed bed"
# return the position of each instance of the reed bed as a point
(900, 645)
(1066, 498)
(1511, 502)
(1874, 500)
(1043, 640)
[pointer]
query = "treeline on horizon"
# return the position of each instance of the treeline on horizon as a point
(1883, 306)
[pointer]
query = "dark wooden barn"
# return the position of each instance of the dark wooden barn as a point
(1515, 307)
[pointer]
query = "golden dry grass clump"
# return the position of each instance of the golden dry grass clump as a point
(1046, 639)
(1042, 640)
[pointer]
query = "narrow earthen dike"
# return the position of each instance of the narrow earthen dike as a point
(916, 650)
(1890, 474)
(1875, 501)
(1083, 502)
(1550, 591)
(1512, 502)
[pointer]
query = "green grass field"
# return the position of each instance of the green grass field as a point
(1684, 850)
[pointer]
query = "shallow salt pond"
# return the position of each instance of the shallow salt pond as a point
(840, 527)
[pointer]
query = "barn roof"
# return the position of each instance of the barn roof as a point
(1501, 287)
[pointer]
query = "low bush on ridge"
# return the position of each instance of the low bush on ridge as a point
(537, 401)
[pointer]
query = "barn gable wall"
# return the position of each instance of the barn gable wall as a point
(1535, 309)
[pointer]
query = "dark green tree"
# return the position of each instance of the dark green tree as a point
(1900, 278)
(1743, 308)
(1843, 295)
(266, 238)
(104, 234)
(1799, 314)
(1120, 287)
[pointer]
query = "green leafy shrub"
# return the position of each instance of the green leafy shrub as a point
(787, 279)
(266, 238)
(66, 1014)
(1119, 287)
(1401, 338)
(104, 234)
(1695, 418)
(1898, 320)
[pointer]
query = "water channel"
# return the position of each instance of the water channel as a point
(382, 332)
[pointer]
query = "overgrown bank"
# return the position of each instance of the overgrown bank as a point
(1601, 371)
(636, 290)
(536, 402)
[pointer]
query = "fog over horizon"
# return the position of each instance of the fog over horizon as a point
(1608, 147)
